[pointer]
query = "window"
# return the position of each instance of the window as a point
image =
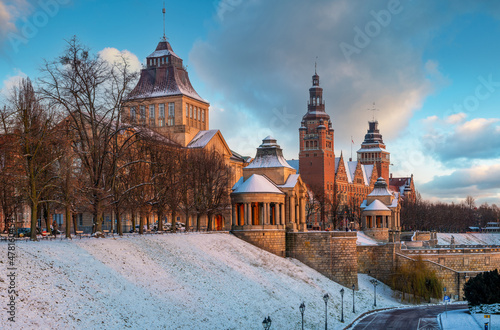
(199, 114)
(143, 112)
(161, 121)
(161, 110)
(152, 111)
(171, 113)
(187, 110)
(132, 113)
(190, 111)
(203, 115)
(80, 219)
(195, 110)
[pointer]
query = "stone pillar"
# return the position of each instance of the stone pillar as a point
(292, 209)
(261, 213)
(233, 214)
(245, 213)
(266, 213)
(250, 214)
(276, 214)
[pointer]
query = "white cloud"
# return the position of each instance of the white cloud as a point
(456, 118)
(262, 57)
(115, 56)
(10, 82)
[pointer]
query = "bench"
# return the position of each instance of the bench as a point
(4, 237)
(79, 233)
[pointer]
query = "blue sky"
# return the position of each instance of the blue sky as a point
(431, 67)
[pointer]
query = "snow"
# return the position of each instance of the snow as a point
(364, 239)
(376, 205)
(162, 52)
(174, 281)
(256, 183)
(269, 161)
(372, 150)
(461, 319)
(469, 239)
(291, 181)
(202, 138)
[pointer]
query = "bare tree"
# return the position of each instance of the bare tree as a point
(91, 92)
(33, 129)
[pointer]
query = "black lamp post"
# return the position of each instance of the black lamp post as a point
(342, 309)
(266, 323)
(302, 308)
(375, 283)
(353, 308)
(325, 298)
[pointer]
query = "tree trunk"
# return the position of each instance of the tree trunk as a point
(160, 220)
(188, 221)
(174, 216)
(119, 229)
(141, 223)
(209, 221)
(34, 211)
(68, 219)
(133, 215)
(75, 224)
(198, 221)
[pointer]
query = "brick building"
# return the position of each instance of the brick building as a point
(338, 186)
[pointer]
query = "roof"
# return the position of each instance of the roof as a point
(167, 79)
(255, 184)
(269, 154)
(380, 188)
(202, 138)
(291, 181)
(367, 173)
(376, 205)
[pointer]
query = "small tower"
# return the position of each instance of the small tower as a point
(373, 151)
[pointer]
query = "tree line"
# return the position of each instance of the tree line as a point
(64, 145)
(446, 217)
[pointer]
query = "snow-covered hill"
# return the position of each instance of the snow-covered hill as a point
(469, 239)
(176, 281)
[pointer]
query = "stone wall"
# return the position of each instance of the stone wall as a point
(333, 254)
(377, 260)
(453, 266)
(271, 240)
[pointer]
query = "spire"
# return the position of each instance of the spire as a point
(164, 37)
(373, 109)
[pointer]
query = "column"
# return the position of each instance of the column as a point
(282, 213)
(276, 214)
(245, 213)
(261, 213)
(266, 213)
(303, 210)
(250, 214)
(292, 209)
(234, 214)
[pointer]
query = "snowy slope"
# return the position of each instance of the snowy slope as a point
(175, 281)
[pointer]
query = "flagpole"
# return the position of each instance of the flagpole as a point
(351, 147)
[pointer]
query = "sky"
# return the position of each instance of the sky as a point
(431, 68)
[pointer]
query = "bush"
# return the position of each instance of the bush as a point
(418, 279)
(483, 289)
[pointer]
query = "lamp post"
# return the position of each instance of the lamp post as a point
(325, 298)
(375, 283)
(353, 308)
(342, 309)
(266, 323)
(302, 308)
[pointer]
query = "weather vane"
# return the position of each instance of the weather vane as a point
(373, 111)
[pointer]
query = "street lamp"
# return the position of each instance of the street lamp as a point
(375, 283)
(302, 308)
(325, 298)
(342, 299)
(353, 308)
(266, 323)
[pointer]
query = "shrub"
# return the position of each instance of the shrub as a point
(483, 289)
(418, 279)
